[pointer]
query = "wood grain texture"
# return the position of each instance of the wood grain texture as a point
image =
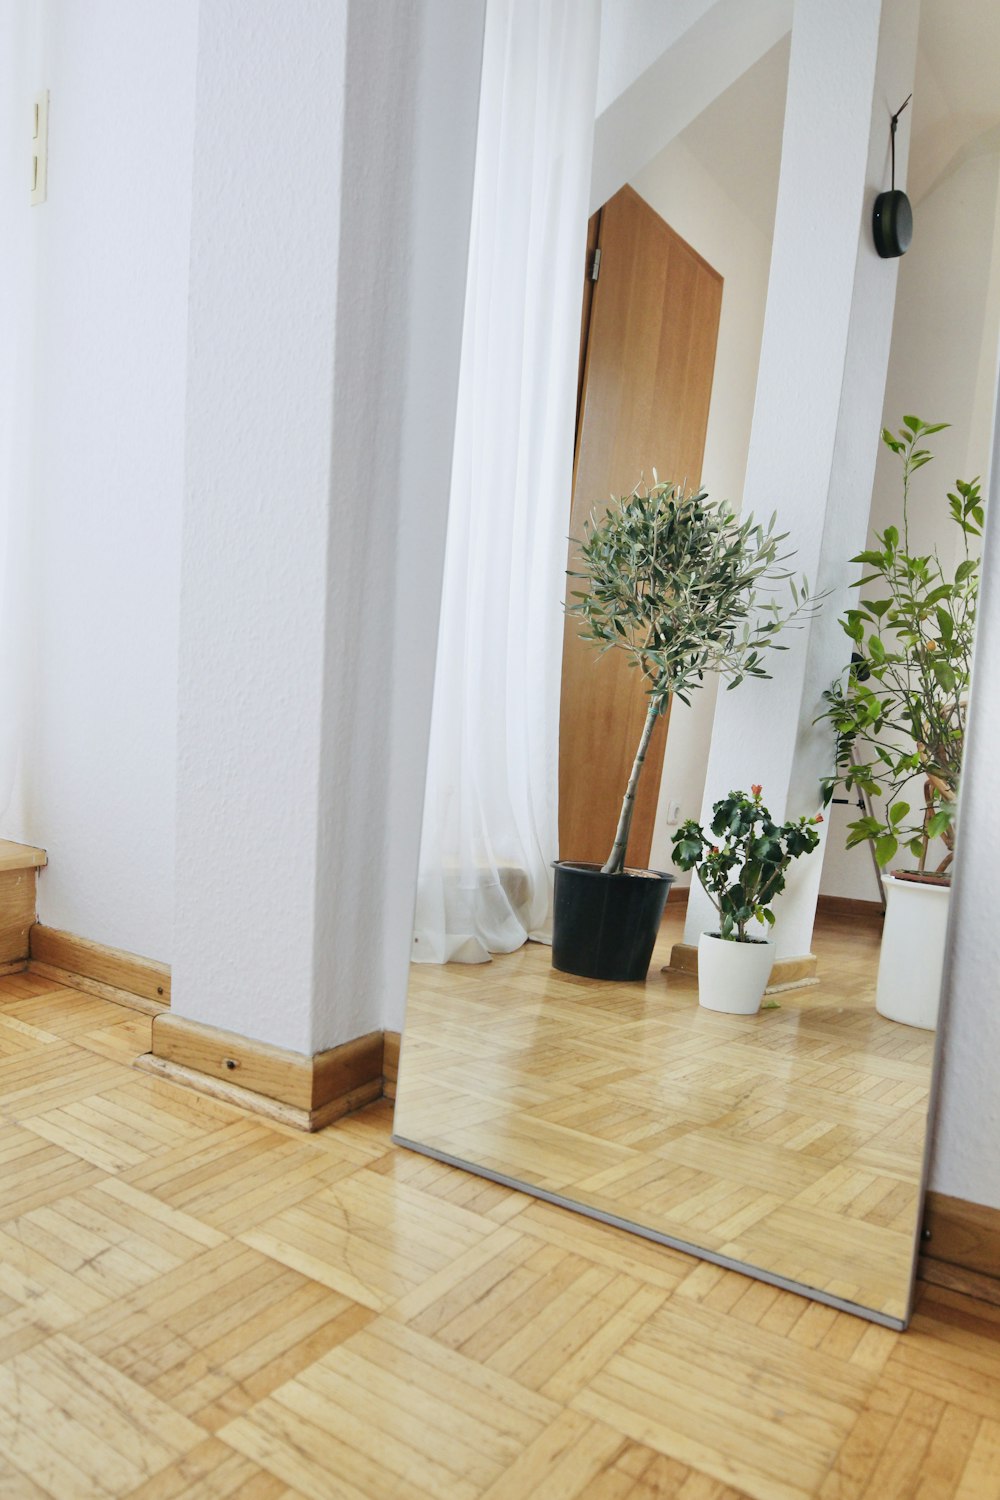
(972, 1283)
(647, 385)
(316, 1089)
(261, 1104)
(966, 1235)
(223, 1055)
(196, 1302)
(17, 911)
(791, 1140)
(21, 856)
(343, 1070)
(71, 980)
(390, 1063)
(73, 958)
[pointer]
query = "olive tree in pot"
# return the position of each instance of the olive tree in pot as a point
(741, 864)
(684, 587)
(900, 715)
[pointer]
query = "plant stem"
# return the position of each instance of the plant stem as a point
(928, 814)
(616, 859)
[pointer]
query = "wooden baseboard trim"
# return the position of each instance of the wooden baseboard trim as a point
(74, 981)
(961, 1246)
(390, 1063)
(260, 1104)
(123, 978)
(954, 1279)
(307, 1092)
(847, 906)
(19, 866)
(786, 974)
(21, 856)
(828, 906)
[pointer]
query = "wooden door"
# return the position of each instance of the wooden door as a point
(647, 382)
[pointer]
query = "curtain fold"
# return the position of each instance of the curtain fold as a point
(490, 814)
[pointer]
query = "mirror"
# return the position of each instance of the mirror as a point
(791, 1142)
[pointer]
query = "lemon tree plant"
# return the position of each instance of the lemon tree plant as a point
(742, 859)
(900, 709)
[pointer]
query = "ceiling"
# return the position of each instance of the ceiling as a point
(956, 110)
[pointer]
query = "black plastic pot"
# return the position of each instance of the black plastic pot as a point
(605, 926)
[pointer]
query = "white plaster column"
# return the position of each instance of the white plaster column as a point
(964, 1160)
(333, 161)
(818, 408)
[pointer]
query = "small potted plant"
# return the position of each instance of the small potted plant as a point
(741, 864)
(900, 715)
(684, 587)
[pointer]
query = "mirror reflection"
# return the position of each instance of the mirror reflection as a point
(717, 1025)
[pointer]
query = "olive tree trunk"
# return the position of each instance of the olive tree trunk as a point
(616, 859)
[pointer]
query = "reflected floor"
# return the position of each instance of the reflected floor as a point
(791, 1140)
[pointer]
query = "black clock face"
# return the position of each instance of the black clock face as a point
(892, 224)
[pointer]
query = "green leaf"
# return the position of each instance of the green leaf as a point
(885, 848)
(944, 674)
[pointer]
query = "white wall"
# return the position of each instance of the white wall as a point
(633, 34)
(106, 413)
(21, 46)
(693, 203)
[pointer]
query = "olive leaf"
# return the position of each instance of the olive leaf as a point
(684, 587)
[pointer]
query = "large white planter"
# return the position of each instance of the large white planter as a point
(912, 957)
(732, 976)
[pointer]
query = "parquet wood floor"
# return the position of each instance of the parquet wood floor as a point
(196, 1304)
(791, 1140)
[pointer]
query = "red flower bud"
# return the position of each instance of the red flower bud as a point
(757, 790)
(818, 818)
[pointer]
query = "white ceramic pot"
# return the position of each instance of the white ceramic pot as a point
(732, 976)
(912, 956)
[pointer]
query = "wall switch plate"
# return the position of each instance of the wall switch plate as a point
(673, 812)
(39, 147)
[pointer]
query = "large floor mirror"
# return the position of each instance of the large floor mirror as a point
(791, 1142)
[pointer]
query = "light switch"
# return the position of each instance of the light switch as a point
(39, 147)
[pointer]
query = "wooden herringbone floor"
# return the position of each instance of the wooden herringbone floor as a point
(194, 1303)
(791, 1140)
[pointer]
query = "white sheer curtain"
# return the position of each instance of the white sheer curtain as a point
(490, 816)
